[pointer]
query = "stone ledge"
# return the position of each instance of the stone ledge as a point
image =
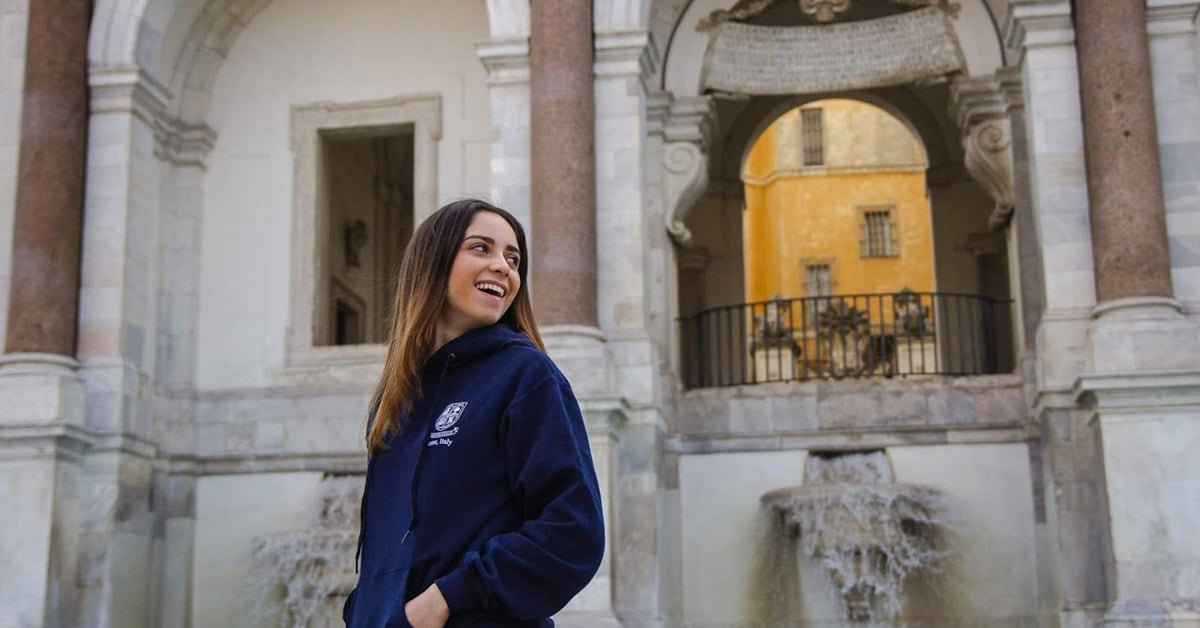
(683, 444)
(30, 442)
(1139, 390)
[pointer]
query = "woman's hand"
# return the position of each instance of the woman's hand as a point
(428, 610)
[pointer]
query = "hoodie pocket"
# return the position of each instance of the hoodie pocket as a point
(378, 601)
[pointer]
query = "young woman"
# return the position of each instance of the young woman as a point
(481, 505)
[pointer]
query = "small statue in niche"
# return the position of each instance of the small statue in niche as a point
(354, 238)
(771, 322)
(912, 318)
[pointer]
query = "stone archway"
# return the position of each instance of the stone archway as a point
(964, 122)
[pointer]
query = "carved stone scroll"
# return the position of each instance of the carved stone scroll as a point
(685, 160)
(687, 178)
(894, 50)
(982, 114)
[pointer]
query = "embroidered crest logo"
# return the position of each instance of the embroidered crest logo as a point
(449, 416)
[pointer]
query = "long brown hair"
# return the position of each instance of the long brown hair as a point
(420, 298)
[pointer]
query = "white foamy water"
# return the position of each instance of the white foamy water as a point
(869, 533)
(299, 578)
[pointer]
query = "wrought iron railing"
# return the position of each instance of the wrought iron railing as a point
(847, 336)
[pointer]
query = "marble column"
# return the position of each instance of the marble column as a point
(563, 163)
(1142, 385)
(42, 443)
(1129, 236)
(49, 209)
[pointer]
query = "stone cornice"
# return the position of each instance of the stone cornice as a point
(691, 119)
(31, 442)
(183, 143)
(1138, 391)
(1038, 23)
(505, 60)
(127, 89)
(1171, 17)
(658, 106)
(625, 53)
(1011, 84)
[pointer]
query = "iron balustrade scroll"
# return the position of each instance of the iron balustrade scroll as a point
(847, 336)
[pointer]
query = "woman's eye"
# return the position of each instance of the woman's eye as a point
(514, 261)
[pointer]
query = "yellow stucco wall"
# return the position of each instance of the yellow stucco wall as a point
(798, 214)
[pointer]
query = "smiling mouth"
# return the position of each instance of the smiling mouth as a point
(492, 289)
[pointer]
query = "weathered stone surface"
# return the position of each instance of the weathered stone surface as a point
(806, 60)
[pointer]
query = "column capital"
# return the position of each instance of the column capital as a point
(626, 53)
(127, 89)
(505, 60)
(1171, 17)
(1038, 23)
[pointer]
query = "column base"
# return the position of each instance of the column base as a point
(1140, 334)
(40, 389)
(1148, 436)
(581, 353)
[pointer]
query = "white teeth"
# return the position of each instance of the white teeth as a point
(492, 288)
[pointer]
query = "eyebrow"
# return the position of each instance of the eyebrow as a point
(492, 242)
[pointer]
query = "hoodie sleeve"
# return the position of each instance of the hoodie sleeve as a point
(533, 572)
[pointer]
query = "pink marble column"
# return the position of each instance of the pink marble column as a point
(563, 162)
(1129, 235)
(43, 301)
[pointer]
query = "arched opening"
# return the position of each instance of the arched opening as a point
(847, 241)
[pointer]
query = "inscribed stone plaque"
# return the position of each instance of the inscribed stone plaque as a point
(748, 59)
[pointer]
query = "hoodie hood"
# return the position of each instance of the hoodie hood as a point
(474, 344)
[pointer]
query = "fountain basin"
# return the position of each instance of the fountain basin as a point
(867, 532)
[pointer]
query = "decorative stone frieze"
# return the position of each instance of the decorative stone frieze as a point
(980, 108)
(687, 132)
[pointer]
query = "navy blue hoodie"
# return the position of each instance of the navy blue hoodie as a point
(489, 491)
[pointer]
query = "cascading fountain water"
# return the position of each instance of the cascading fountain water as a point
(867, 531)
(301, 577)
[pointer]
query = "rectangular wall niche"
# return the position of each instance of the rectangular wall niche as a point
(365, 174)
(370, 220)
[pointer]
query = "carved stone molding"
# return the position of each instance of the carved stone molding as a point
(686, 133)
(183, 143)
(982, 115)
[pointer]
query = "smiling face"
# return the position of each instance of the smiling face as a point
(483, 279)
